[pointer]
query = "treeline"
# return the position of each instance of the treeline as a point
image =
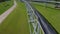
(3, 0)
(57, 0)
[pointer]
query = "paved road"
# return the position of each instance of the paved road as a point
(6, 13)
(48, 29)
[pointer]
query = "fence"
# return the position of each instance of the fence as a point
(51, 4)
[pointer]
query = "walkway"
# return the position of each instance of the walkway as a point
(6, 13)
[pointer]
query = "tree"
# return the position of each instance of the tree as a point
(2, 0)
(57, 4)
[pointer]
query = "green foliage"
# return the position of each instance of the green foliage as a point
(3, 0)
(51, 14)
(57, 0)
(5, 5)
(16, 22)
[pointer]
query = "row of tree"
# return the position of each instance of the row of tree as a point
(3, 0)
(57, 0)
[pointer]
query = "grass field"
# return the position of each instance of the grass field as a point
(16, 22)
(51, 14)
(5, 5)
(45, 4)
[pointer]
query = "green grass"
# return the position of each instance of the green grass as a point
(5, 6)
(51, 14)
(50, 5)
(16, 22)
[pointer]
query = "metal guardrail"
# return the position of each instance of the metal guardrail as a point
(47, 1)
(42, 21)
(33, 22)
(47, 28)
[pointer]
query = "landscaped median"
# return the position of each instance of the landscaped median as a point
(16, 22)
(5, 6)
(51, 14)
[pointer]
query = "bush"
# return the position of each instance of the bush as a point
(5, 5)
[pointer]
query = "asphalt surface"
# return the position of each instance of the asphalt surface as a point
(45, 24)
(47, 28)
